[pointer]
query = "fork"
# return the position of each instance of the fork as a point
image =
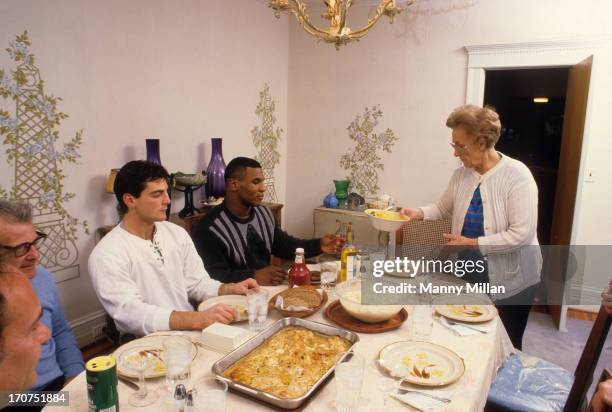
(401, 391)
(453, 323)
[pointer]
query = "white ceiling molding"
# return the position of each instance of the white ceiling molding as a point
(548, 53)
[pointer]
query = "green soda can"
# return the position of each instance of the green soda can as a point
(102, 393)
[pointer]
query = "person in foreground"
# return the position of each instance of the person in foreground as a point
(492, 201)
(60, 358)
(237, 238)
(602, 398)
(146, 271)
(21, 332)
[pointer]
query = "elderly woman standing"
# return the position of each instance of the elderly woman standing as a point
(492, 201)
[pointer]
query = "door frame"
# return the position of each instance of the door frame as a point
(542, 54)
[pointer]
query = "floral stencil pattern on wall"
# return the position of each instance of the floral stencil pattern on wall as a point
(266, 138)
(363, 161)
(31, 137)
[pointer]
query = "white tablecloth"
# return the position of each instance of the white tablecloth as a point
(483, 355)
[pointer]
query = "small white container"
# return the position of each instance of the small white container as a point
(224, 338)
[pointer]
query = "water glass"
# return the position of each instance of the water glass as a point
(178, 354)
(329, 275)
(422, 321)
(349, 380)
(257, 306)
(210, 394)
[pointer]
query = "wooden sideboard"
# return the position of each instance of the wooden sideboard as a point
(328, 220)
(189, 221)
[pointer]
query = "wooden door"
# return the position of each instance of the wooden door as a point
(567, 181)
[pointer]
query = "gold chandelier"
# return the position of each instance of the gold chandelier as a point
(338, 32)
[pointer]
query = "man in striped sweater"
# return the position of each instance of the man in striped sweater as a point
(237, 238)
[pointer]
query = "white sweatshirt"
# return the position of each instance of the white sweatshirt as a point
(510, 210)
(140, 284)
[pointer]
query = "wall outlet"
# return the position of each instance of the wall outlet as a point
(97, 331)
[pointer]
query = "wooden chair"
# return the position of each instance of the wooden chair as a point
(421, 238)
(502, 399)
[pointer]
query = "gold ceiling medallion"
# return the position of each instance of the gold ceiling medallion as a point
(338, 31)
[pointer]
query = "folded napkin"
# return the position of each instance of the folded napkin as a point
(423, 402)
(280, 304)
(458, 329)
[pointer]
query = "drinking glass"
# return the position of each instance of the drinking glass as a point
(422, 320)
(140, 359)
(257, 306)
(329, 274)
(178, 354)
(364, 264)
(349, 380)
(210, 393)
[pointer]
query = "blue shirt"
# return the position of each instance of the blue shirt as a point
(473, 225)
(60, 355)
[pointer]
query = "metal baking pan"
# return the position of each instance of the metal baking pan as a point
(234, 356)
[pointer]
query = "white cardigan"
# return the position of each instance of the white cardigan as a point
(510, 208)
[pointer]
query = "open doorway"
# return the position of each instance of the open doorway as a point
(531, 134)
(531, 104)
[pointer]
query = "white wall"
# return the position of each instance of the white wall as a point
(181, 71)
(416, 70)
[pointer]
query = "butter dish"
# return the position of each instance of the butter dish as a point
(224, 338)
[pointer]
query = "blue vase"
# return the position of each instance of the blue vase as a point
(330, 201)
(215, 183)
(153, 151)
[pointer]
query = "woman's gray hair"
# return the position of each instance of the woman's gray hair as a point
(481, 122)
(15, 212)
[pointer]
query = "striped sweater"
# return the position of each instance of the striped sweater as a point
(232, 248)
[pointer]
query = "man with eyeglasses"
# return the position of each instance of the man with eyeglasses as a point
(60, 358)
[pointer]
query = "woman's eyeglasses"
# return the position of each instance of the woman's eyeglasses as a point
(459, 147)
(23, 248)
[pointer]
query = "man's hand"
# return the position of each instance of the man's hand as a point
(219, 313)
(331, 244)
(269, 276)
(602, 397)
(416, 214)
(241, 288)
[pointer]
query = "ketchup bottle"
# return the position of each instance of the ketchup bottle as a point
(299, 274)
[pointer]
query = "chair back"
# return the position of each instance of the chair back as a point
(588, 361)
(421, 238)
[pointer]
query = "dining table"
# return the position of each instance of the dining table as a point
(482, 354)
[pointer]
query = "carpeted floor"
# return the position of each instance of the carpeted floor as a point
(542, 339)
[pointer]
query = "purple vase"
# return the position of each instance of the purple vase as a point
(153, 151)
(215, 173)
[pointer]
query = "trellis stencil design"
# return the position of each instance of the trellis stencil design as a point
(363, 162)
(31, 137)
(266, 138)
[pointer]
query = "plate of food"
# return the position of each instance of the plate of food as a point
(153, 345)
(421, 363)
(385, 220)
(467, 313)
(237, 302)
